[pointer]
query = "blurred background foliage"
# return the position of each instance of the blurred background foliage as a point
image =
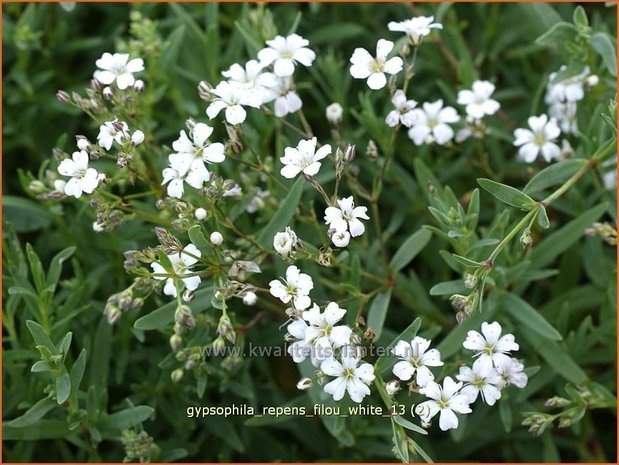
(47, 47)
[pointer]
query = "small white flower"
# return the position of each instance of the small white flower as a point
(200, 214)
(490, 348)
(340, 238)
(250, 298)
(346, 217)
(138, 85)
(108, 133)
(216, 238)
(487, 383)
(446, 400)
(252, 77)
(83, 179)
(349, 377)
(477, 101)
(392, 387)
(182, 263)
(540, 138)
(415, 28)
(232, 96)
(432, 123)
(365, 66)
(198, 151)
(119, 68)
(296, 288)
(282, 91)
(570, 89)
(257, 202)
(323, 334)
(59, 185)
(416, 358)
(284, 52)
(511, 371)
(98, 227)
(284, 242)
(299, 350)
(304, 158)
(403, 110)
(304, 383)
(83, 144)
(565, 115)
(334, 113)
(137, 137)
(175, 174)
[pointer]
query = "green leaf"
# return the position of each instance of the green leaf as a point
(403, 422)
(41, 366)
(198, 239)
(378, 313)
(556, 243)
(400, 442)
(602, 43)
(449, 287)
(542, 218)
(55, 267)
(63, 388)
(529, 317)
(65, 344)
(557, 357)
(505, 412)
(580, 17)
(40, 336)
(25, 214)
(77, 370)
(553, 175)
(42, 429)
(126, 418)
(335, 33)
(386, 361)
(283, 216)
(507, 194)
(33, 414)
(164, 315)
(175, 42)
(409, 249)
(36, 268)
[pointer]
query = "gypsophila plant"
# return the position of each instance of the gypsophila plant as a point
(272, 218)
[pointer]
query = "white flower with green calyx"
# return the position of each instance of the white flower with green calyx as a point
(83, 178)
(349, 377)
(182, 263)
(415, 28)
(446, 400)
(303, 159)
(477, 381)
(296, 288)
(365, 66)
(432, 123)
(491, 349)
(346, 217)
(540, 138)
(415, 359)
(323, 333)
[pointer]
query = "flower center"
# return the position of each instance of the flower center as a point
(489, 350)
(286, 54)
(377, 67)
(539, 138)
(432, 123)
(479, 382)
(291, 290)
(415, 362)
(347, 216)
(80, 173)
(443, 403)
(348, 373)
(326, 330)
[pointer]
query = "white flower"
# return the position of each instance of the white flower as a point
(200, 214)
(137, 137)
(284, 242)
(403, 110)
(446, 400)
(365, 66)
(198, 151)
(540, 138)
(340, 238)
(284, 52)
(175, 174)
(299, 350)
(252, 77)
(565, 115)
(118, 68)
(281, 90)
(334, 113)
(431, 124)
(250, 298)
(232, 96)
(83, 144)
(295, 287)
(477, 100)
(487, 383)
(570, 89)
(491, 348)
(83, 179)
(257, 202)
(323, 333)
(415, 28)
(349, 377)
(346, 217)
(98, 227)
(511, 371)
(392, 387)
(112, 131)
(216, 238)
(181, 267)
(416, 358)
(59, 185)
(304, 158)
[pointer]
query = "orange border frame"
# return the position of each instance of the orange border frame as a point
(277, 1)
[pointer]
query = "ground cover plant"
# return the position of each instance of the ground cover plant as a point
(300, 232)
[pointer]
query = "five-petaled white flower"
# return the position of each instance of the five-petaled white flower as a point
(431, 124)
(511, 371)
(346, 217)
(416, 358)
(491, 348)
(403, 110)
(340, 238)
(365, 66)
(285, 241)
(415, 28)
(181, 268)
(284, 52)
(232, 96)
(252, 77)
(323, 333)
(446, 400)
(477, 100)
(112, 131)
(540, 138)
(119, 68)
(83, 179)
(281, 90)
(304, 158)
(487, 383)
(349, 377)
(295, 287)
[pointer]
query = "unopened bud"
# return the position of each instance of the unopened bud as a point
(112, 313)
(82, 143)
(177, 375)
(526, 240)
(350, 153)
(334, 113)
(36, 187)
(304, 384)
(138, 85)
(219, 346)
(108, 93)
(371, 150)
(175, 342)
(204, 90)
(470, 280)
(250, 298)
(217, 238)
(556, 402)
(63, 96)
(137, 137)
(392, 387)
(592, 80)
(200, 214)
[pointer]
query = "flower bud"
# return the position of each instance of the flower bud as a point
(250, 298)
(138, 85)
(112, 313)
(188, 295)
(204, 90)
(304, 384)
(334, 113)
(526, 240)
(556, 402)
(219, 346)
(392, 387)
(63, 96)
(137, 303)
(200, 214)
(350, 153)
(177, 375)
(216, 238)
(592, 80)
(36, 187)
(470, 280)
(108, 93)
(371, 150)
(137, 137)
(82, 143)
(175, 342)
(225, 329)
